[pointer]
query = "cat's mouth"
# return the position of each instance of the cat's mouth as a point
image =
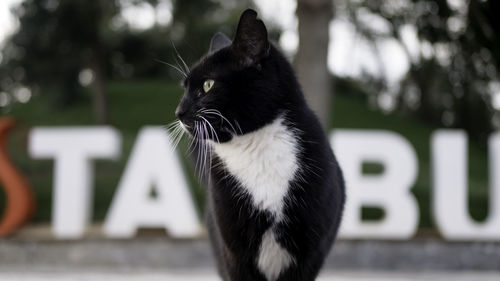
(195, 130)
(185, 127)
(204, 130)
(190, 129)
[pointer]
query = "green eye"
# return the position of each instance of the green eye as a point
(207, 85)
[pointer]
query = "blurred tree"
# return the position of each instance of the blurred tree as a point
(55, 41)
(187, 35)
(451, 75)
(195, 22)
(311, 58)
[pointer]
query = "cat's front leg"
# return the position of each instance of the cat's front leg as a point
(296, 274)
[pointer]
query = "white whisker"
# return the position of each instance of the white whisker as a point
(205, 148)
(214, 133)
(176, 133)
(174, 67)
(218, 113)
(178, 55)
(238, 125)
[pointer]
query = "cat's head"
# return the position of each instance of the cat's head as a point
(235, 89)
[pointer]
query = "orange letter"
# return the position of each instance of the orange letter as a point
(20, 200)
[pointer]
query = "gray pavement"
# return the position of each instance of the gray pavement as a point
(210, 276)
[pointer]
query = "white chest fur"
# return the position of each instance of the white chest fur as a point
(264, 162)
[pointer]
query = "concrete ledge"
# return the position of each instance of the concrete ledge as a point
(153, 252)
(415, 255)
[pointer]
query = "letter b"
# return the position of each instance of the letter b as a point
(389, 190)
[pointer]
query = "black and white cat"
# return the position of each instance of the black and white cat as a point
(276, 191)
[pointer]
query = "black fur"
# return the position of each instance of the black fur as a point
(254, 84)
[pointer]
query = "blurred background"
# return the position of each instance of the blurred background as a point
(407, 66)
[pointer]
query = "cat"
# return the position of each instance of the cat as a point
(276, 191)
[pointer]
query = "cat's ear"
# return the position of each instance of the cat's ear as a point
(219, 41)
(250, 43)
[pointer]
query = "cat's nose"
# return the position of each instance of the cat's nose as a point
(180, 111)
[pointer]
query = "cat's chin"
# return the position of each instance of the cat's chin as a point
(222, 138)
(188, 129)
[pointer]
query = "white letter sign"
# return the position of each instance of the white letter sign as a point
(153, 163)
(389, 190)
(72, 150)
(449, 158)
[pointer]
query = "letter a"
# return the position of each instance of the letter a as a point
(153, 163)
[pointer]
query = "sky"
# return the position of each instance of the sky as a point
(7, 21)
(349, 54)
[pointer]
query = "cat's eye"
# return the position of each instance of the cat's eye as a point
(207, 85)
